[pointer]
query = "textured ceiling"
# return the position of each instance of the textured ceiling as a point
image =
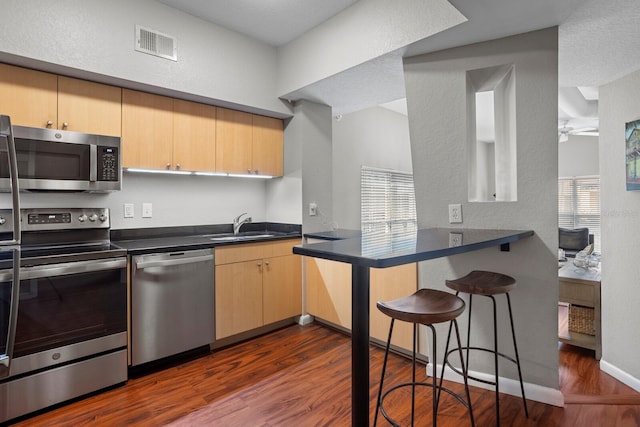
(597, 39)
(275, 22)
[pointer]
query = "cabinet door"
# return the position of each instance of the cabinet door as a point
(28, 96)
(329, 290)
(282, 288)
(147, 130)
(388, 284)
(233, 141)
(238, 297)
(268, 146)
(194, 136)
(89, 107)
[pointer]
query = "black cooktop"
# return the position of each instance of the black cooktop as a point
(53, 254)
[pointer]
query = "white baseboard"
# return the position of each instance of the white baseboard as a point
(620, 375)
(535, 392)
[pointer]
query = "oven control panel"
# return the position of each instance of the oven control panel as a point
(45, 219)
(49, 218)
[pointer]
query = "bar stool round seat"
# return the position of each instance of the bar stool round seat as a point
(426, 307)
(488, 284)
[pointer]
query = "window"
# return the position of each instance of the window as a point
(579, 205)
(387, 201)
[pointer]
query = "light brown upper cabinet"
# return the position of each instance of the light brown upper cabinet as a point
(30, 97)
(268, 146)
(39, 99)
(234, 139)
(194, 136)
(90, 107)
(147, 130)
(249, 143)
(159, 132)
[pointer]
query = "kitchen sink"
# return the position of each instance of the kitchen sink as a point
(239, 237)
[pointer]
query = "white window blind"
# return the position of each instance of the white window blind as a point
(387, 201)
(579, 205)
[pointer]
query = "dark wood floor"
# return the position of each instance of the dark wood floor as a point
(300, 376)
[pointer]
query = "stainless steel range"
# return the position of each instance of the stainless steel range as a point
(70, 336)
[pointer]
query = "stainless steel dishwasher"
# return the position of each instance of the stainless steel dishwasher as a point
(172, 304)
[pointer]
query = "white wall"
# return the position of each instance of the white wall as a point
(578, 156)
(620, 234)
(95, 38)
(311, 126)
(375, 137)
(177, 200)
(436, 98)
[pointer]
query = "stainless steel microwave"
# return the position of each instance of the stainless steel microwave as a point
(59, 160)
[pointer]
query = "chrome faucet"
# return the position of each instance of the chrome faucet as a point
(237, 223)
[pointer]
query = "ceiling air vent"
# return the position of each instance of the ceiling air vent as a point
(155, 43)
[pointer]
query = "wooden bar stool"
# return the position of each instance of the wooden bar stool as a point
(488, 284)
(426, 307)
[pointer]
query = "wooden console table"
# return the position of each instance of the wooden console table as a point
(582, 287)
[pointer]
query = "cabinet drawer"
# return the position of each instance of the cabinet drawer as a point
(248, 252)
(241, 252)
(577, 293)
(283, 247)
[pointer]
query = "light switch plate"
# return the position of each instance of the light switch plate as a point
(128, 210)
(147, 210)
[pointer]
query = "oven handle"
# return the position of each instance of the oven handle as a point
(5, 360)
(77, 267)
(166, 262)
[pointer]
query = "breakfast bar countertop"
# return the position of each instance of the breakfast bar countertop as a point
(382, 250)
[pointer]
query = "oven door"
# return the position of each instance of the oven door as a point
(67, 311)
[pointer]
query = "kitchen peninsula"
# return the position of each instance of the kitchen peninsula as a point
(388, 250)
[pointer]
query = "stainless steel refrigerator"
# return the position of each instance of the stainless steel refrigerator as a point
(10, 249)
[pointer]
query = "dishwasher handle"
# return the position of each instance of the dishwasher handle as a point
(171, 262)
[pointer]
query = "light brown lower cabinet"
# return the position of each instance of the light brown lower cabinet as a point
(329, 296)
(256, 285)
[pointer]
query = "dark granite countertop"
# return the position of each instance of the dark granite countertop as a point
(168, 239)
(338, 234)
(387, 250)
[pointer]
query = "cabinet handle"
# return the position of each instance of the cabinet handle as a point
(178, 166)
(49, 123)
(257, 172)
(266, 262)
(249, 171)
(168, 165)
(65, 125)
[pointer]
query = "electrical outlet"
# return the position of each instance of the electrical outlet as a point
(455, 214)
(128, 210)
(313, 209)
(147, 210)
(455, 239)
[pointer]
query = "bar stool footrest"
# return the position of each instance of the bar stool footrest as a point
(421, 384)
(459, 371)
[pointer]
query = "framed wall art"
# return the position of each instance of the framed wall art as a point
(632, 154)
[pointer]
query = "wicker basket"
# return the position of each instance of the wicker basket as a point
(581, 320)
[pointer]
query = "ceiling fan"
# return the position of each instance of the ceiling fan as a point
(564, 131)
